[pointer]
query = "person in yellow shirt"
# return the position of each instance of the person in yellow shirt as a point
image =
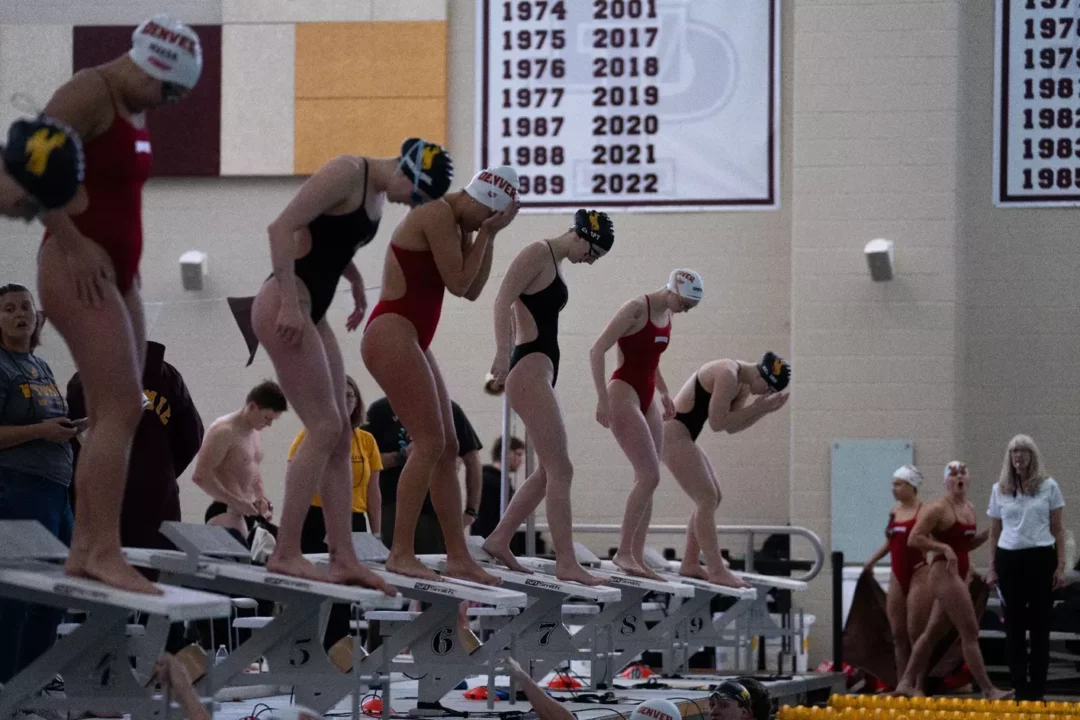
(366, 464)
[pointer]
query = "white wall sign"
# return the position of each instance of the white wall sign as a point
(1037, 103)
(642, 104)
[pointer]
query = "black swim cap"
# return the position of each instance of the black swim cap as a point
(428, 165)
(46, 158)
(775, 370)
(731, 690)
(596, 227)
(760, 701)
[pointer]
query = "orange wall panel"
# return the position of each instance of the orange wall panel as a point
(371, 59)
(363, 126)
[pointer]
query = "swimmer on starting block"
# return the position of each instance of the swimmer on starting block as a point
(432, 250)
(527, 309)
(719, 393)
(88, 271)
(642, 330)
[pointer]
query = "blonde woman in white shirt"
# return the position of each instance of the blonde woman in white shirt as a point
(1028, 560)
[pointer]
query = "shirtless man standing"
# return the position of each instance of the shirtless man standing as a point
(719, 394)
(227, 466)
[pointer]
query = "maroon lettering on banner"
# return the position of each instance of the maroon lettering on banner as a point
(187, 136)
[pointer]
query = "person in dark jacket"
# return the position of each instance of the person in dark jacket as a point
(168, 438)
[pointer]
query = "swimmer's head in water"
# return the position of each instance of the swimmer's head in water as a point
(169, 51)
(730, 701)
(686, 284)
(429, 169)
(775, 371)
(596, 229)
(656, 709)
(45, 158)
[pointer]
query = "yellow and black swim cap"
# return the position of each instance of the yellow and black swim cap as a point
(428, 165)
(45, 157)
(596, 227)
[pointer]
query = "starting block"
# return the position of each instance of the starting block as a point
(95, 658)
(749, 616)
(441, 656)
(291, 642)
(621, 632)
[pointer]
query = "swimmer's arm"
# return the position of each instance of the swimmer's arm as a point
(877, 556)
(458, 266)
(629, 316)
(324, 190)
(920, 537)
(352, 274)
(546, 707)
(661, 384)
(374, 503)
(521, 272)
(211, 455)
(482, 275)
(723, 415)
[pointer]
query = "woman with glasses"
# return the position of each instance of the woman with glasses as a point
(531, 296)
(312, 243)
(35, 464)
(642, 330)
(88, 271)
(1027, 562)
(946, 530)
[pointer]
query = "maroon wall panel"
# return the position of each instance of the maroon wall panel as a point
(186, 137)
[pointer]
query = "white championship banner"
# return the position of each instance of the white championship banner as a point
(632, 104)
(1037, 103)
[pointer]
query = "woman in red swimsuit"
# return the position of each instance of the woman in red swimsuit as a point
(946, 528)
(908, 601)
(642, 329)
(88, 272)
(431, 251)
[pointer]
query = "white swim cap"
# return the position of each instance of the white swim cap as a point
(495, 188)
(167, 50)
(656, 709)
(909, 474)
(686, 284)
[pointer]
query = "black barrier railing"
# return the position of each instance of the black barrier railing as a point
(838, 610)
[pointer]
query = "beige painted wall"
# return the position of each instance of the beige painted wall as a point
(886, 132)
(875, 156)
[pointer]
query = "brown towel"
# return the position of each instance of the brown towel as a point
(868, 643)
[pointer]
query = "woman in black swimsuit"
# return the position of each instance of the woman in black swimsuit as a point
(716, 393)
(527, 319)
(312, 243)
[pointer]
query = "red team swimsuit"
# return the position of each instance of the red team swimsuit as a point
(118, 163)
(958, 536)
(424, 290)
(905, 559)
(641, 356)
